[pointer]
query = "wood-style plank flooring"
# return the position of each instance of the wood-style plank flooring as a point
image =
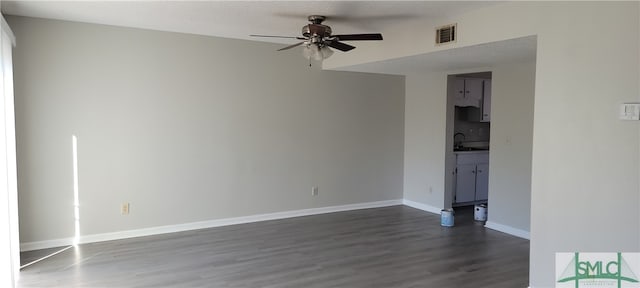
(29, 257)
(394, 246)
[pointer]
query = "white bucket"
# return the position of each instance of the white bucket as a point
(447, 217)
(480, 213)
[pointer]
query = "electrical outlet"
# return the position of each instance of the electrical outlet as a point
(314, 191)
(630, 111)
(124, 209)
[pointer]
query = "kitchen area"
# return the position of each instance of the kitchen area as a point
(471, 137)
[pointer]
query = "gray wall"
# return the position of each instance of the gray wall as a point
(512, 98)
(585, 161)
(425, 139)
(585, 191)
(427, 177)
(190, 128)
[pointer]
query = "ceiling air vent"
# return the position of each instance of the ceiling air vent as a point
(446, 34)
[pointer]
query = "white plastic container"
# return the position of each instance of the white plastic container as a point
(447, 217)
(480, 212)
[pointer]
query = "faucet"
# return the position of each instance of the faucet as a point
(458, 144)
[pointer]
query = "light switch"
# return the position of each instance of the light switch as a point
(630, 111)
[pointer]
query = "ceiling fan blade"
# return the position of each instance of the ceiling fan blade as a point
(340, 46)
(358, 37)
(274, 36)
(291, 46)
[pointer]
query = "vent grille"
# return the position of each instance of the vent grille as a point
(446, 34)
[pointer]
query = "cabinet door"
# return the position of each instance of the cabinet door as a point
(466, 183)
(459, 90)
(486, 101)
(482, 182)
(473, 90)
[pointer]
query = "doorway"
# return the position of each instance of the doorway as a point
(468, 138)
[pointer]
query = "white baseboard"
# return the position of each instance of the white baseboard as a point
(27, 246)
(421, 206)
(507, 229)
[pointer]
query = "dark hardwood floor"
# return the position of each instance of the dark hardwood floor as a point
(34, 256)
(394, 246)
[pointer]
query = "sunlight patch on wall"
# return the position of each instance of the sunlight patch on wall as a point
(76, 200)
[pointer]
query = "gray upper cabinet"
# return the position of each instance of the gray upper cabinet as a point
(475, 96)
(468, 92)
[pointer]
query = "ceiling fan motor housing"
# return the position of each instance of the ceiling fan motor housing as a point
(318, 30)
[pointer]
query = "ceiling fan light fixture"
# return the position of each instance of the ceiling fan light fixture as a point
(307, 51)
(315, 52)
(326, 52)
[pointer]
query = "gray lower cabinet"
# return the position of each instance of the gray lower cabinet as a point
(472, 177)
(482, 181)
(465, 183)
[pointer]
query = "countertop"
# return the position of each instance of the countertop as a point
(471, 152)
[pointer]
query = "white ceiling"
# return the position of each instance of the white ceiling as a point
(239, 19)
(458, 59)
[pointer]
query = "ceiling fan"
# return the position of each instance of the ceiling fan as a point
(317, 39)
